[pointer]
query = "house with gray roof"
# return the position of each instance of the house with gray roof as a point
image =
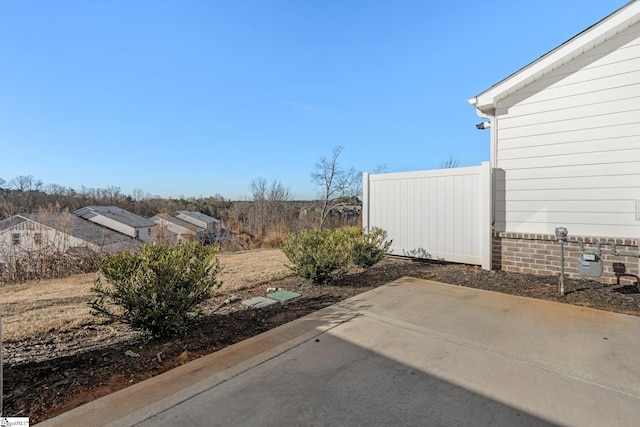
(57, 232)
(213, 229)
(170, 229)
(118, 219)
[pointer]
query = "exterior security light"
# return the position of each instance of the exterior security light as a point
(561, 233)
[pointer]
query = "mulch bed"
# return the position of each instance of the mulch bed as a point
(55, 372)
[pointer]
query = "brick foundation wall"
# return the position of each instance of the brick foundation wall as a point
(540, 254)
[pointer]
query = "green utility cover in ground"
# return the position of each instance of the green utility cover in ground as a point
(258, 302)
(283, 295)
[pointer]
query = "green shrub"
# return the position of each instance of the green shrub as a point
(319, 256)
(368, 249)
(157, 289)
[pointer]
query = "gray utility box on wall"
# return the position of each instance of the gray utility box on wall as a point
(590, 265)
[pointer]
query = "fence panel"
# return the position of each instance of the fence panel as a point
(440, 214)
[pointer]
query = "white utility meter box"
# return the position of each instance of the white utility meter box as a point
(590, 265)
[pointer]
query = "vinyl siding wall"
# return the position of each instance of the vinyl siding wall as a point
(113, 224)
(144, 233)
(568, 147)
(49, 238)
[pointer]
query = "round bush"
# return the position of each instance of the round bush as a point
(157, 289)
(319, 256)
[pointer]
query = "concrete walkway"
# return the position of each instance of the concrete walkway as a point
(412, 352)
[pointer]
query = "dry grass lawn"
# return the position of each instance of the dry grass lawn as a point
(32, 308)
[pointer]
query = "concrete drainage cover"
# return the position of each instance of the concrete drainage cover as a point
(283, 295)
(259, 302)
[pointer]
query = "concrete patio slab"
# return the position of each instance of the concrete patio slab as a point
(412, 352)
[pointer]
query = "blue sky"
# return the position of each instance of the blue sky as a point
(195, 98)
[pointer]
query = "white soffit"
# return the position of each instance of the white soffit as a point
(593, 36)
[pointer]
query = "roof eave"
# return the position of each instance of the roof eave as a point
(586, 40)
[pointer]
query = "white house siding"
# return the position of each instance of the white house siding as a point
(35, 241)
(113, 224)
(145, 234)
(172, 228)
(191, 220)
(212, 227)
(61, 232)
(196, 222)
(50, 238)
(568, 146)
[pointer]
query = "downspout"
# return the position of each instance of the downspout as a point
(489, 124)
(492, 163)
(366, 202)
(493, 157)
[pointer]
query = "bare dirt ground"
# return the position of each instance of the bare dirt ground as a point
(60, 305)
(57, 356)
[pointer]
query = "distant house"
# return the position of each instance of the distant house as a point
(99, 229)
(57, 232)
(345, 211)
(169, 228)
(565, 146)
(213, 229)
(118, 219)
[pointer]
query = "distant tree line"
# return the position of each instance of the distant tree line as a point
(267, 217)
(28, 194)
(264, 219)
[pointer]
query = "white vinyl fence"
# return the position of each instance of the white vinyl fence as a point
(440, 214)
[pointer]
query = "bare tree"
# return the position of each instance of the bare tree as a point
(138, 194)
(259, 191)
(26, 183)
(336, 184)
(27, 191)
(55, 190)
(380, 168)
(450, 163)
(112, 194)
(268, 209)
(278, 198)
(7, 209)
